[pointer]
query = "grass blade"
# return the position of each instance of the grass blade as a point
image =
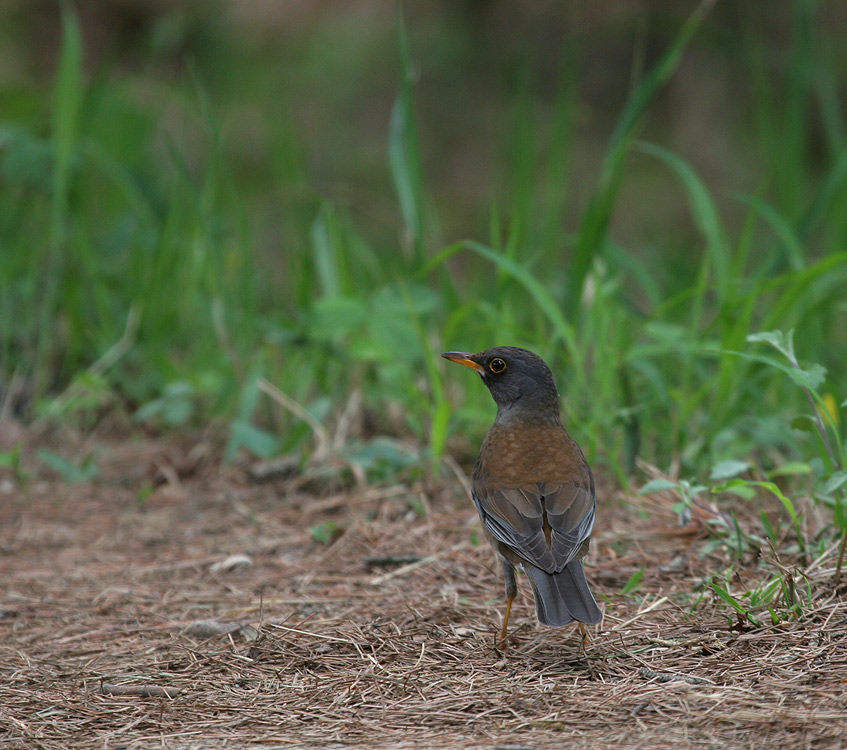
(592, 230)
(705, 215)
(67, 102)
(404, 152)
(734, 603)
(563, 330)
(781, 227)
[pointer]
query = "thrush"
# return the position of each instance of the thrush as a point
(533, 488)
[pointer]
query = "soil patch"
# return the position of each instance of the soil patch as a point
(204, 614)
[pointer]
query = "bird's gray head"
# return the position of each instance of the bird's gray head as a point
(519, 380)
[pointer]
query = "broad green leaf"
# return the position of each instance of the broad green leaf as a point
(780, 341)
(833, 482)
(790, 468)
(743, 491)
(75, 473)
(727, 469)
(326, 533)
(810, 378)
(633, 583)
(333, 318)
(258, 442)
(657, 485)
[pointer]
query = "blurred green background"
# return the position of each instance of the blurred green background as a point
(200, 199)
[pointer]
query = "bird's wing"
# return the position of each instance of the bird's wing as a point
(545, 524)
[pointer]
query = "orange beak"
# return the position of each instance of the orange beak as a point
(463, 358)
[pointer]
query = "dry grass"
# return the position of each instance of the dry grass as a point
(101, 648)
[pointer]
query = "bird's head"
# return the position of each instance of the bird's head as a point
(519, 380)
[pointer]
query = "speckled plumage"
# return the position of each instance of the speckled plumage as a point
(533, 487)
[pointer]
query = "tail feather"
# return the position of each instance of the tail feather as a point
(563, 597)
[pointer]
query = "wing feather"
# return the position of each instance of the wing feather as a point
(515, 517)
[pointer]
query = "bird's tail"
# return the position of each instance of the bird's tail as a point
(563, 597)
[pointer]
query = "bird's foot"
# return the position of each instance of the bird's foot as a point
(584, 633)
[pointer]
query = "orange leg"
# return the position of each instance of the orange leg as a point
(511, 593)
(584, 633)
(502, 643)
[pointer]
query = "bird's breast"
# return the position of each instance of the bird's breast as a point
(517, 454)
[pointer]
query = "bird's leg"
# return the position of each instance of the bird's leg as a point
(584, 633)
(511, 593)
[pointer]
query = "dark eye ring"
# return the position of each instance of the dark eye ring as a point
(497, 366)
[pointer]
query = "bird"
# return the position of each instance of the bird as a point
(533, 488)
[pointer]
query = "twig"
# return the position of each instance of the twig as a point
(818, 560)
(460, 475)
(321, 434)
(387, 560)
(417, 564)
(657, 603)
(143, 691)
(122, 345)
(15, 384)
(841, 550)
(111, 355)
(670, 677)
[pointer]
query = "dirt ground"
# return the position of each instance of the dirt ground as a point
(202, 613)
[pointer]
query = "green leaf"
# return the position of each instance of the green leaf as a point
(810, 378)
(833, 482)
(734, 603)
(840, 513)
(804, 423)
(790, 468)
(176, 411)
(774, 489)
(85, 471)
(768, 526)
(743, 491)
(326, 251)
(657, 485)
(11, 459)
(393, 326)
(727, 469)
(8, 459)
(412, 298)
(258, 442)
(439, 427)
(381, 458)
(174, 407)
(331, 319)
(782, 342)
(633, 583)
(326, 533)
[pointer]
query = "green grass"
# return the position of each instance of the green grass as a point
(136, 276)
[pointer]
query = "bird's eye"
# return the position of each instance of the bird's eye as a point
(497, 366)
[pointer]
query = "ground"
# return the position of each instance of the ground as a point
(176, 603)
